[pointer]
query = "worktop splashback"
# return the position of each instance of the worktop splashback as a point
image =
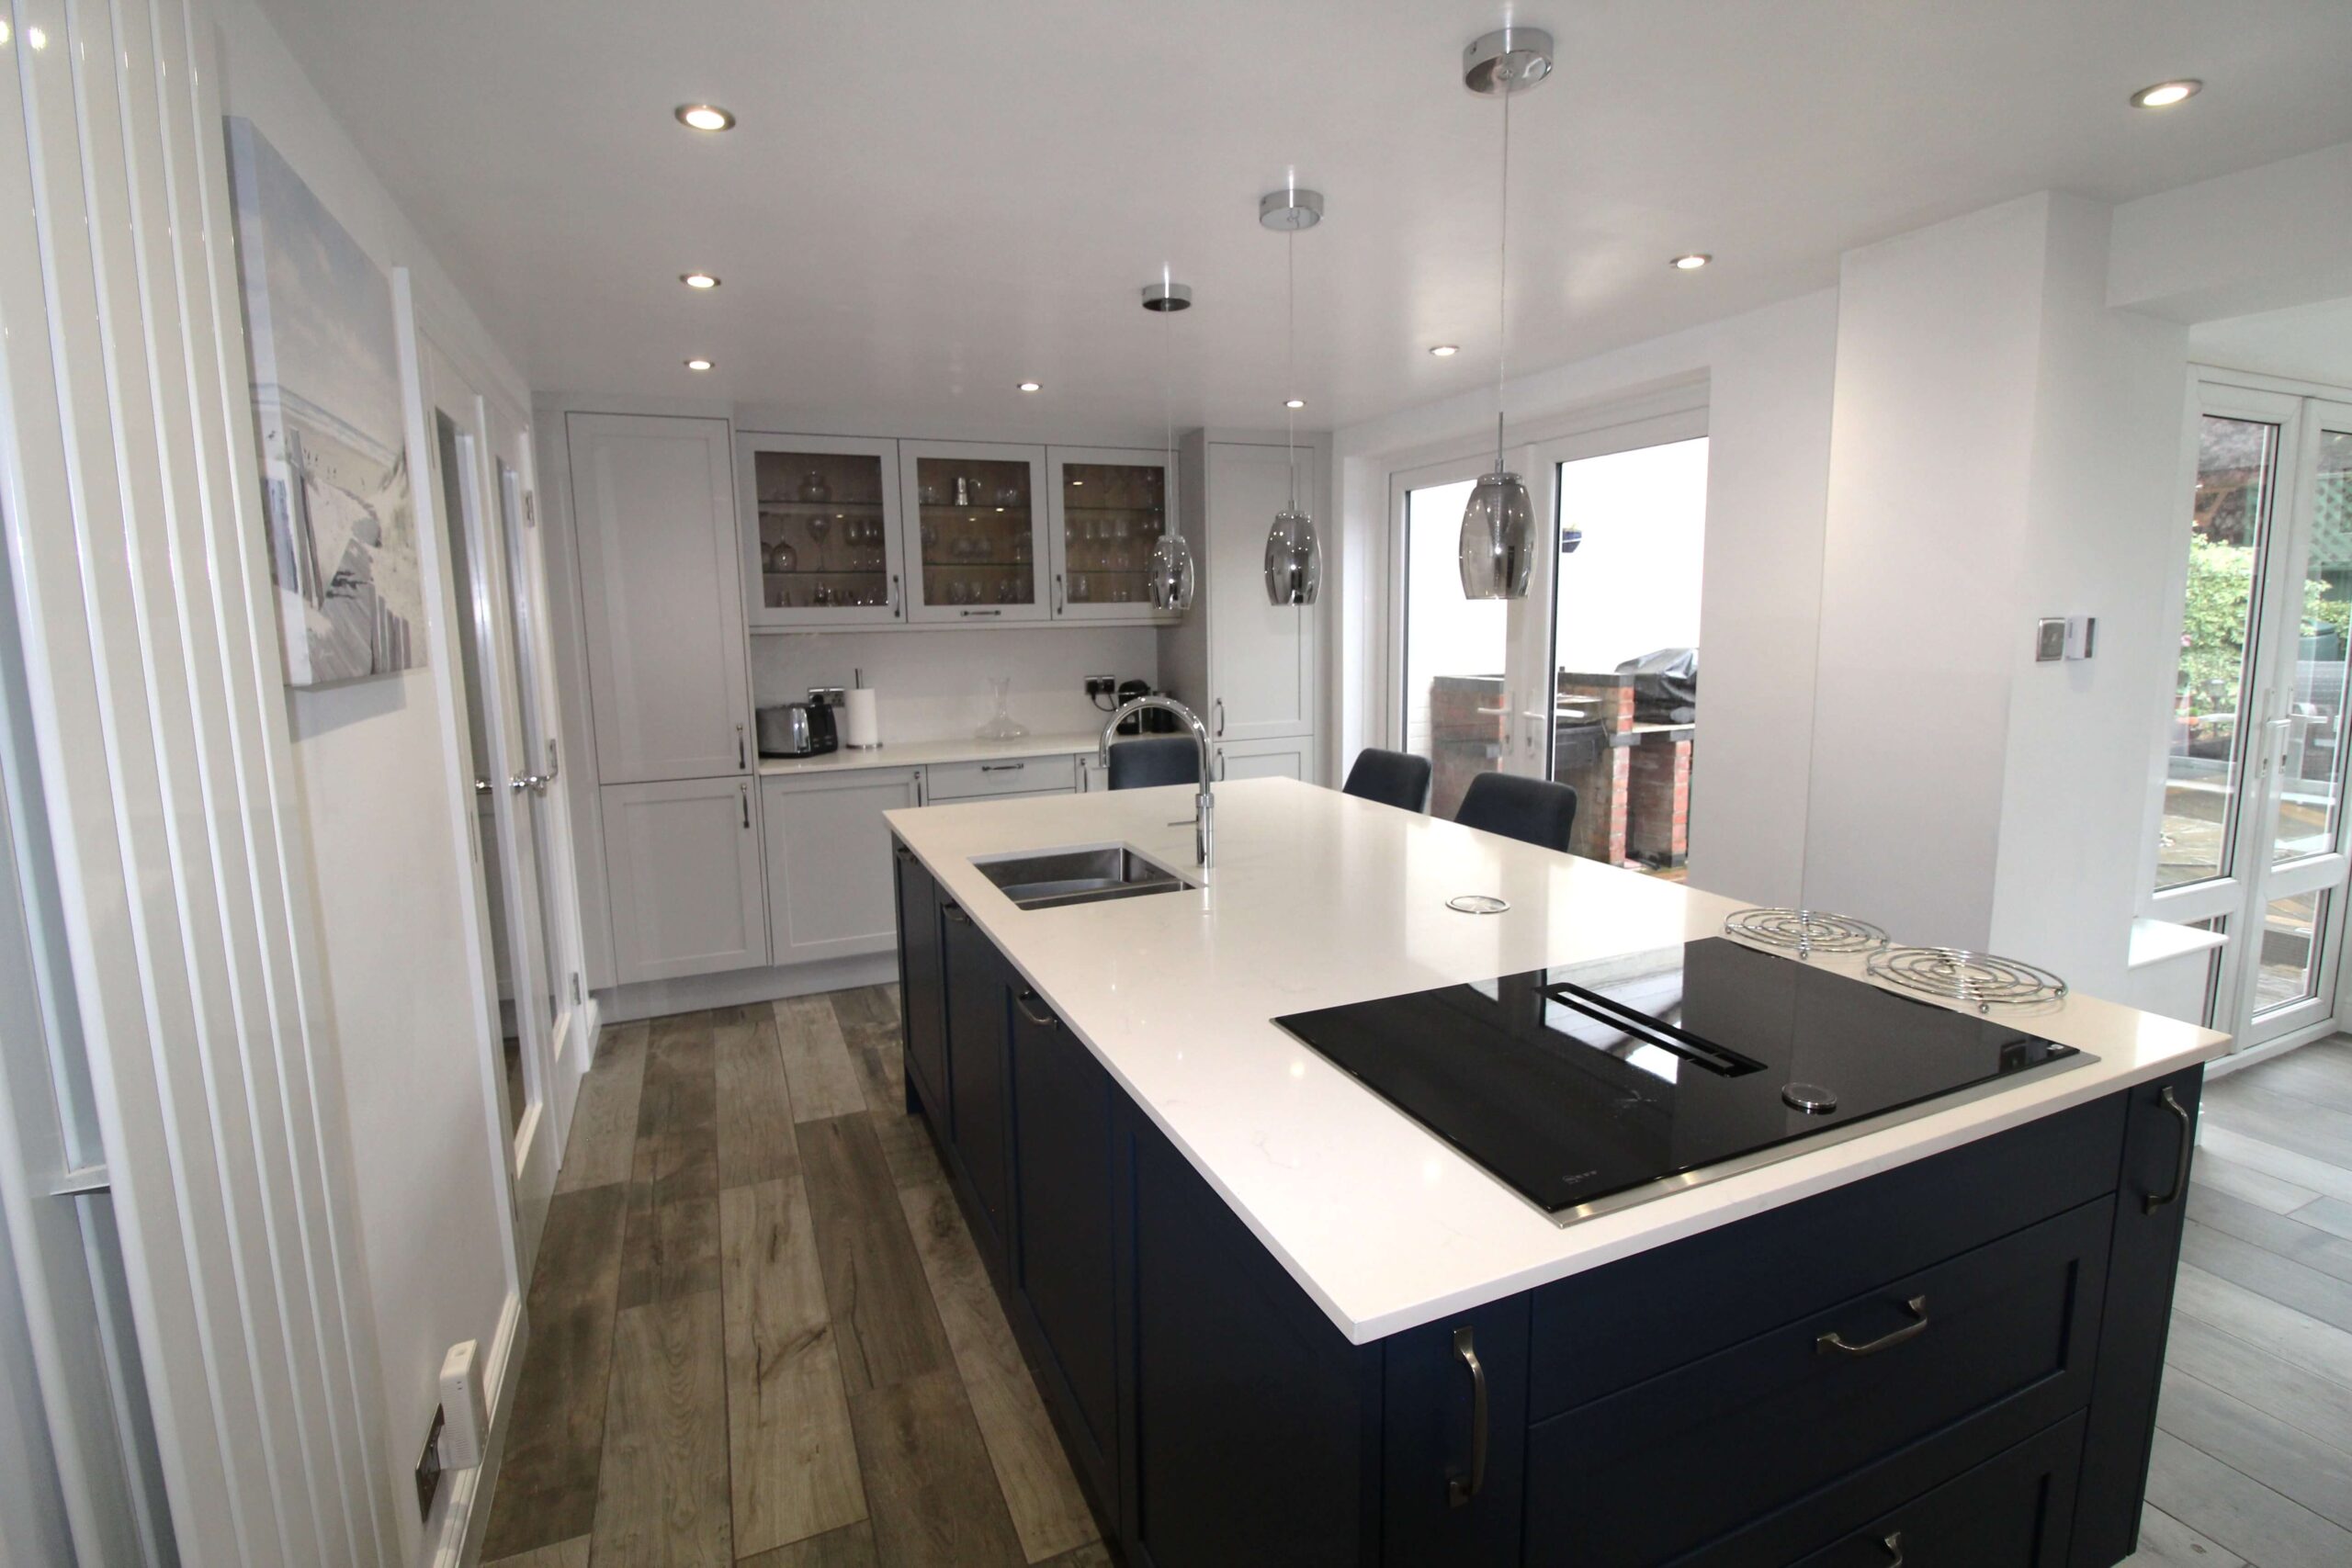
(934, 685)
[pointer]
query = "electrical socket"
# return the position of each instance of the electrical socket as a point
(1102, 685)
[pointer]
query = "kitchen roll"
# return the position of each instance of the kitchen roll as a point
(861, 731)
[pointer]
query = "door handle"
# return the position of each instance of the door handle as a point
(2170, 1101)
(555, 767)
(1220, 718)
(1043, 1020)
(522, 781)
(1460, 1489)
(955, 913)
(978, 615)
(1220, 767)
(746, 791)
(740, 761)
(1838, 1343)
(1002, 767)
(483, 786)
(1894, 1544)
(1058, 593)
(894, 595)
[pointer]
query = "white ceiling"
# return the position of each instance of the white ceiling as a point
(929, 200)
(2312, 343)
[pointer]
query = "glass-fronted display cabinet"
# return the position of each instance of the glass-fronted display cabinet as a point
(978, 553)
(822, 535)
(1109, 507)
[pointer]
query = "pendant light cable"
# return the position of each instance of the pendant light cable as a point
(1502, 287)
(1290, 374)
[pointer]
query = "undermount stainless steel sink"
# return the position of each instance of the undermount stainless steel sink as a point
(1057, 878)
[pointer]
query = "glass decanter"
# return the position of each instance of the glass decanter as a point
(1001, 724)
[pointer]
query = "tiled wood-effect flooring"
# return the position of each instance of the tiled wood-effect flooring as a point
(759, 1330)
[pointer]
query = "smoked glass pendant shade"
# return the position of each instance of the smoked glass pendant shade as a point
(1498, 539)
(1173, 578)
(1294, 560)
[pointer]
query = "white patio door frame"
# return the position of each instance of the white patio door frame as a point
(2250, 883)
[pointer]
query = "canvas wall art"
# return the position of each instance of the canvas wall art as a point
(326, 385)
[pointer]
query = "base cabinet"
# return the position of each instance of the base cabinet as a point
(683, 870)
(1878, 1374)
(830, 893)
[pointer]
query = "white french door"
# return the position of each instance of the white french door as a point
(478, 489)
(2251, 842)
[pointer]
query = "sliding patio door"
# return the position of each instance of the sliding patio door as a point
(2251, 838)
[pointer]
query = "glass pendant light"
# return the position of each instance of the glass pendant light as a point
(1294, 553)
(1171, 576)
(1498, 546)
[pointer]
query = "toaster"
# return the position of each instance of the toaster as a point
(797, 729)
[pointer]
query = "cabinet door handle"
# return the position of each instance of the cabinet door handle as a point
(1838, 1343)
(2171, 1102)
(1058, 593)
(1220, 767)
(1043, 1020)
(1220, 718)
(1002, 767)
(1894, 1544)
(1460, 1489)
(740, 761)
(894, 595)
(955, 913)
(745, 792)
(902, 852)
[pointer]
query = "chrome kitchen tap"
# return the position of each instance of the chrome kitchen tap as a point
(1204, 804)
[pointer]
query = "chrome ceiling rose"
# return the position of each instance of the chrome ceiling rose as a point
(1290, 209)
(1498, 539)
(1509, 60)
(1167, 296)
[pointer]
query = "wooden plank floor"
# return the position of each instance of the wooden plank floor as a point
(759, 1330)
(2253, 1464)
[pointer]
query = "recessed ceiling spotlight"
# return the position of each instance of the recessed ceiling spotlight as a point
(1033, 386)
(697, 280)
(1295, 403)
(1690, 263)
(1445, 350)
(2164, 94)
(697, 364)
(704, 116)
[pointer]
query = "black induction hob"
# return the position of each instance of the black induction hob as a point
(1589, 1086)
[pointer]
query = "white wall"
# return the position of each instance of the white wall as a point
(934, 686)
(2258, 240)
(1768, 375)
(391, 873)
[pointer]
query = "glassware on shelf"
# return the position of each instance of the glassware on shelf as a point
(1001, 724)
(1008, 495)
(814, 490)
(817, 524)
(780, 556)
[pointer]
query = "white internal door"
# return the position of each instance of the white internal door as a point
(508, 764)
(2252, 836)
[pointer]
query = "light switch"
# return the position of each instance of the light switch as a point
(2049, 640)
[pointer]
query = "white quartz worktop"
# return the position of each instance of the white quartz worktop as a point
(1318, 898)
(922, 753)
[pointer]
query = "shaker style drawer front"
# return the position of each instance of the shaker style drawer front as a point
(1974, 1354)
(1015, 775)
(2015, 1510)
(1663, 1309)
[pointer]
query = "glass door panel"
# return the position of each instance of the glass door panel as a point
(976, 542)
(1629, 542)
(823, 534)
(1109, 508)
(1454, 708)
(2309, 816)
(2229, 523)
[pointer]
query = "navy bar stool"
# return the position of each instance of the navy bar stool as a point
(1393, 778)
(1162, 759)
(1533, 811)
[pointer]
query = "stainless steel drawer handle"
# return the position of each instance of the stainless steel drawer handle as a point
(1835, 1342)
(2171, 1102)
(955, 913)
(1043, 1020)
(1002, 767)
(1460, 1489)
(1893, 1545)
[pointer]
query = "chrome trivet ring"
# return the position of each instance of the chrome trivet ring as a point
(1958, 975)
(1805, 931)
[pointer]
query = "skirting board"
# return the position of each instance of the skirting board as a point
(657, 999)
(453, 1537)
